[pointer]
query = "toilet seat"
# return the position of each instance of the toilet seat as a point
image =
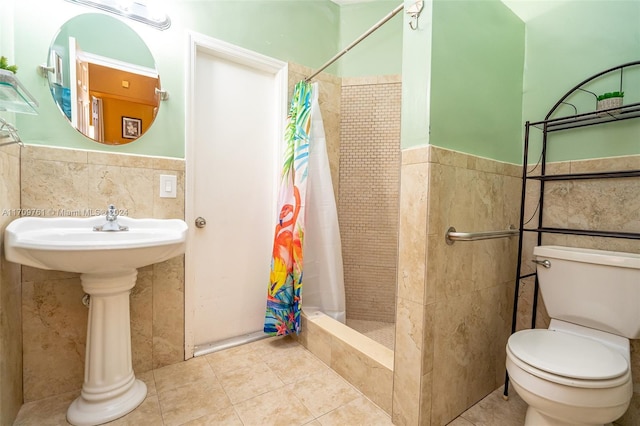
(560, 357)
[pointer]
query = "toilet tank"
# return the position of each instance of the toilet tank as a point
(594, 288)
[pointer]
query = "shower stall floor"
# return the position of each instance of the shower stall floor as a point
(381, 332)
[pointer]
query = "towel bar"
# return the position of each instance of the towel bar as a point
(452, 236)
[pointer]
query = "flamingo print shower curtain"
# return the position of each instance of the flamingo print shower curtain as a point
(285, 287)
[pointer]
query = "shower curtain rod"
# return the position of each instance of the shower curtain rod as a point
(393, 13)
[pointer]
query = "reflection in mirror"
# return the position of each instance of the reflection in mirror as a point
(104, 79)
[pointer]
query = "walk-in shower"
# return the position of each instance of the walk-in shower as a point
(368, 202)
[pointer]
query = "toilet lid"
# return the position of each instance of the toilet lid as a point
(567, 355)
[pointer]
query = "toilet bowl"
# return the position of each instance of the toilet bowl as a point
(569, 379)
(577, 372)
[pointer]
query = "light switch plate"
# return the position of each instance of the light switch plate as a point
(168, 185)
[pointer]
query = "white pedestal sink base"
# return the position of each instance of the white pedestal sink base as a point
(110, 389)
(84, 413)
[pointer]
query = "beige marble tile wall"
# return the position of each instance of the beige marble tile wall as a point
(72, 182)
(610, 205)
(364, 363)
(454, 301)
(369, 194)
(10, 315)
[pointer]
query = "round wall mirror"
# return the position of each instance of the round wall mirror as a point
(104, 79)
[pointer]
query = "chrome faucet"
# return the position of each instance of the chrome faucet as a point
(112, 221)
(112, 213)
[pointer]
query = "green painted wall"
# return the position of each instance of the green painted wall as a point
(378, 54)
(480, 75)
(305, 32)
(462, 69)
(476, 82)
(416, 80)
(564, 47)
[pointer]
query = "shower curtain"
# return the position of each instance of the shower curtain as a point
(306, 182)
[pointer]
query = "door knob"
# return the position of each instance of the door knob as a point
(200, 222)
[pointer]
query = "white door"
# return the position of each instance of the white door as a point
(235, 120)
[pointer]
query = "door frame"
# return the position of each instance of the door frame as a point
(201, 43)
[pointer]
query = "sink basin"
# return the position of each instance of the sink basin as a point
(71, 244)
(107, 262)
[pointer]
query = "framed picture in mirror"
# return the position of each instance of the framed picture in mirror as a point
(131, 127)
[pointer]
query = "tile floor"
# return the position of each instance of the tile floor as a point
(381, 332)
(493, 410)
(269, 382)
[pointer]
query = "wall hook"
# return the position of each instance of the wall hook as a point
(44, 70)
(164, 95)
(414, 12)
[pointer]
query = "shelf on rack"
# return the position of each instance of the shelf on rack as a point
(590, 118)
(14, 97)
(587, 232)
(591, 175)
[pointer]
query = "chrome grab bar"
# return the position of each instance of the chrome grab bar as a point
(452, 236)
(546, 263)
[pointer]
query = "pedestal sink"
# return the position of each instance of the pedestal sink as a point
(107, 262)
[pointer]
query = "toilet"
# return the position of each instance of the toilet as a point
(578, 371)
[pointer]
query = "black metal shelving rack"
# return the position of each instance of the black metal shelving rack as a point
(550, 125)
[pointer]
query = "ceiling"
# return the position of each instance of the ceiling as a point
(529, 9)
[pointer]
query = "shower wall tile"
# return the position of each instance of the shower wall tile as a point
(417, 155)
(332, 134)
(329, 94)
(364, 363)
(372, 79)
(407, 369)
(369, 195)
(54, 186)
(141, 311)
(412, 232)
(364, 373)
(10, 291)
(426, 397)
(465, 315)
(65, 155)
(316, 339)
(630, 162)
(109, 159)
(466, 333)
(130, 189)
(472, 194)
(428, 333)
(65, 182)
(54, 334)
(607, 204)
(168, 312)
